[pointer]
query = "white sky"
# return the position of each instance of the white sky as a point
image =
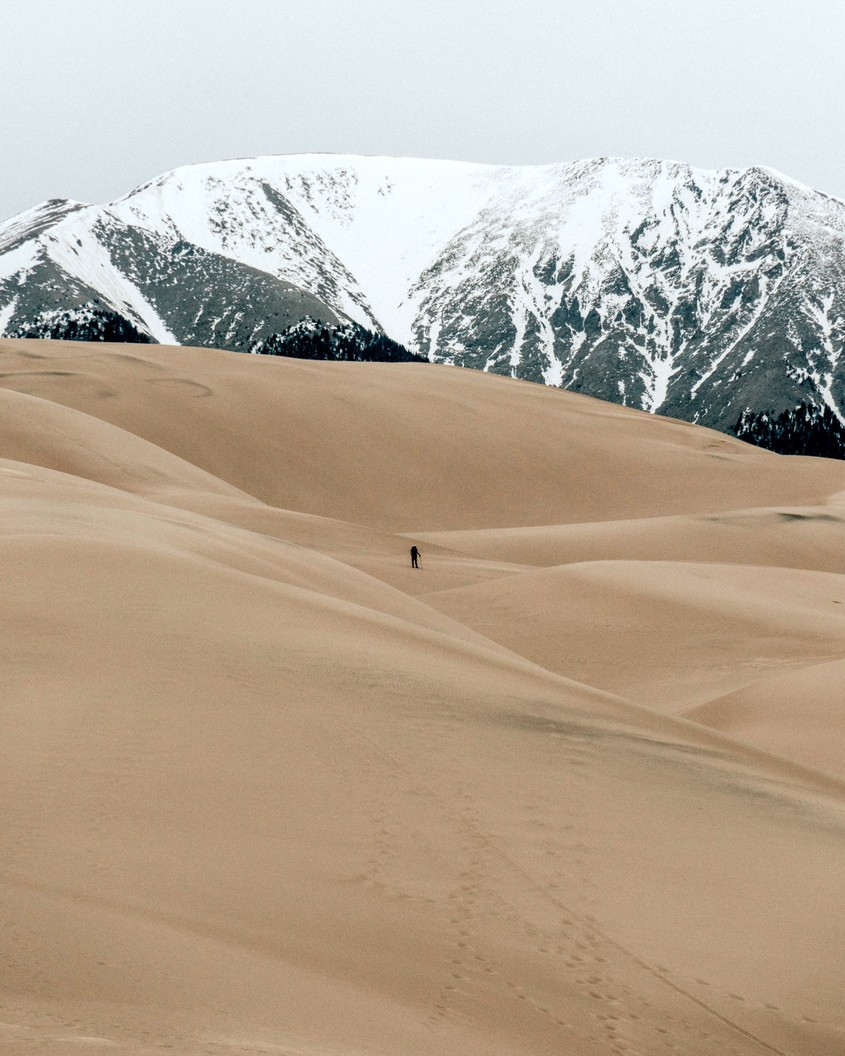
(97, 96)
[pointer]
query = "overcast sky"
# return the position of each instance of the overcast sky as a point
(100, 95)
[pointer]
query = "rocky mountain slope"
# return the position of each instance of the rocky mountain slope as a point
(708, 296)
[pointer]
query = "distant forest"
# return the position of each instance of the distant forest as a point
(313, 340)
(91, 322)
(306, 340)
(803, 430)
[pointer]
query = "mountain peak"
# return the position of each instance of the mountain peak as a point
(32, 222)
(703, 294)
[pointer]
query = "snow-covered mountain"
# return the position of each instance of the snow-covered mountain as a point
(703, 295)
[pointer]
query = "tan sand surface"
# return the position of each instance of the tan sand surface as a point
(266, 789)
(461, 450)
(794, 713)
(671, 635)
(790, 537)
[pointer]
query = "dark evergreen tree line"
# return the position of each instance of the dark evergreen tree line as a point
(84, 324)
(313, 340)
(802, 430)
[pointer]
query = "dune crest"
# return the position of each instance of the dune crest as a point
(575, 785)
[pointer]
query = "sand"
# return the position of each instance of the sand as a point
(575, 786)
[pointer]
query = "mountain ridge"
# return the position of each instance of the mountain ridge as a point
(700, 294)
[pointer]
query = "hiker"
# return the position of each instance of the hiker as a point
(415, 554)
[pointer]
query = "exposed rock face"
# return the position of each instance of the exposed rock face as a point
(702, 295)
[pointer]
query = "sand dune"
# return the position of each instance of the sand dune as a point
(787, 537)
(266, 789)
(797, 714)
(462, 450)
(671, 635)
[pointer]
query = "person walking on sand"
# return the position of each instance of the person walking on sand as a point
(415, 557)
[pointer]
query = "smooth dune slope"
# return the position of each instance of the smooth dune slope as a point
(414, 448)
(787, 537)
(265, 789)
(793, 713)
(671, 635)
